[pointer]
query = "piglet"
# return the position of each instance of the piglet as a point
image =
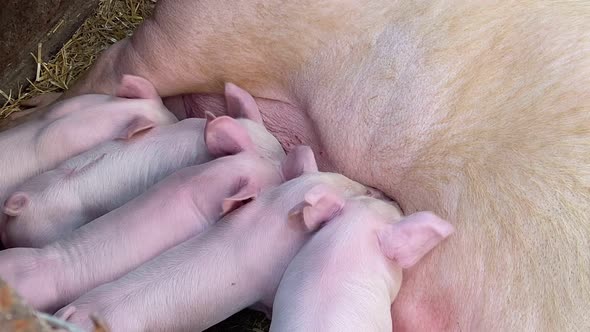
(235, 264)
(73, 126)
(100, 180)
(347, 276)
(178, 207)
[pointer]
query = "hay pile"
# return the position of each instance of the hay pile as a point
(112, 21)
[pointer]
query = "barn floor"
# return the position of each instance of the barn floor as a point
(112, 21)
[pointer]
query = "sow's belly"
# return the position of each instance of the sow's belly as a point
(491, 133)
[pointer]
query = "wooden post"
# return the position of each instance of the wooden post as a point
(25, 24)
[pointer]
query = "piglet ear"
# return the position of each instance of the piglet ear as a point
(321, 204)
(137, 88)
(137, 125)
(407, 241)
(298, 161)
(226, 136)
(240, 104)
(245, 193)
(15, 204)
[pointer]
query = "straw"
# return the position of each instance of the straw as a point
(112, 21)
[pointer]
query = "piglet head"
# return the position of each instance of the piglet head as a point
(34, 207)
(299, 161)
(226, 135)
(408, 240)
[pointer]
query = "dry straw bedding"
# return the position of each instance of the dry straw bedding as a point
(112, 21)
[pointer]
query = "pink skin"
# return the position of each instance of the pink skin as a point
(74, 126)
(100, 180)
(52, 204)
(297, 130)
(475, 110)
(237, 263)
(178, 207)
(348, 275)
